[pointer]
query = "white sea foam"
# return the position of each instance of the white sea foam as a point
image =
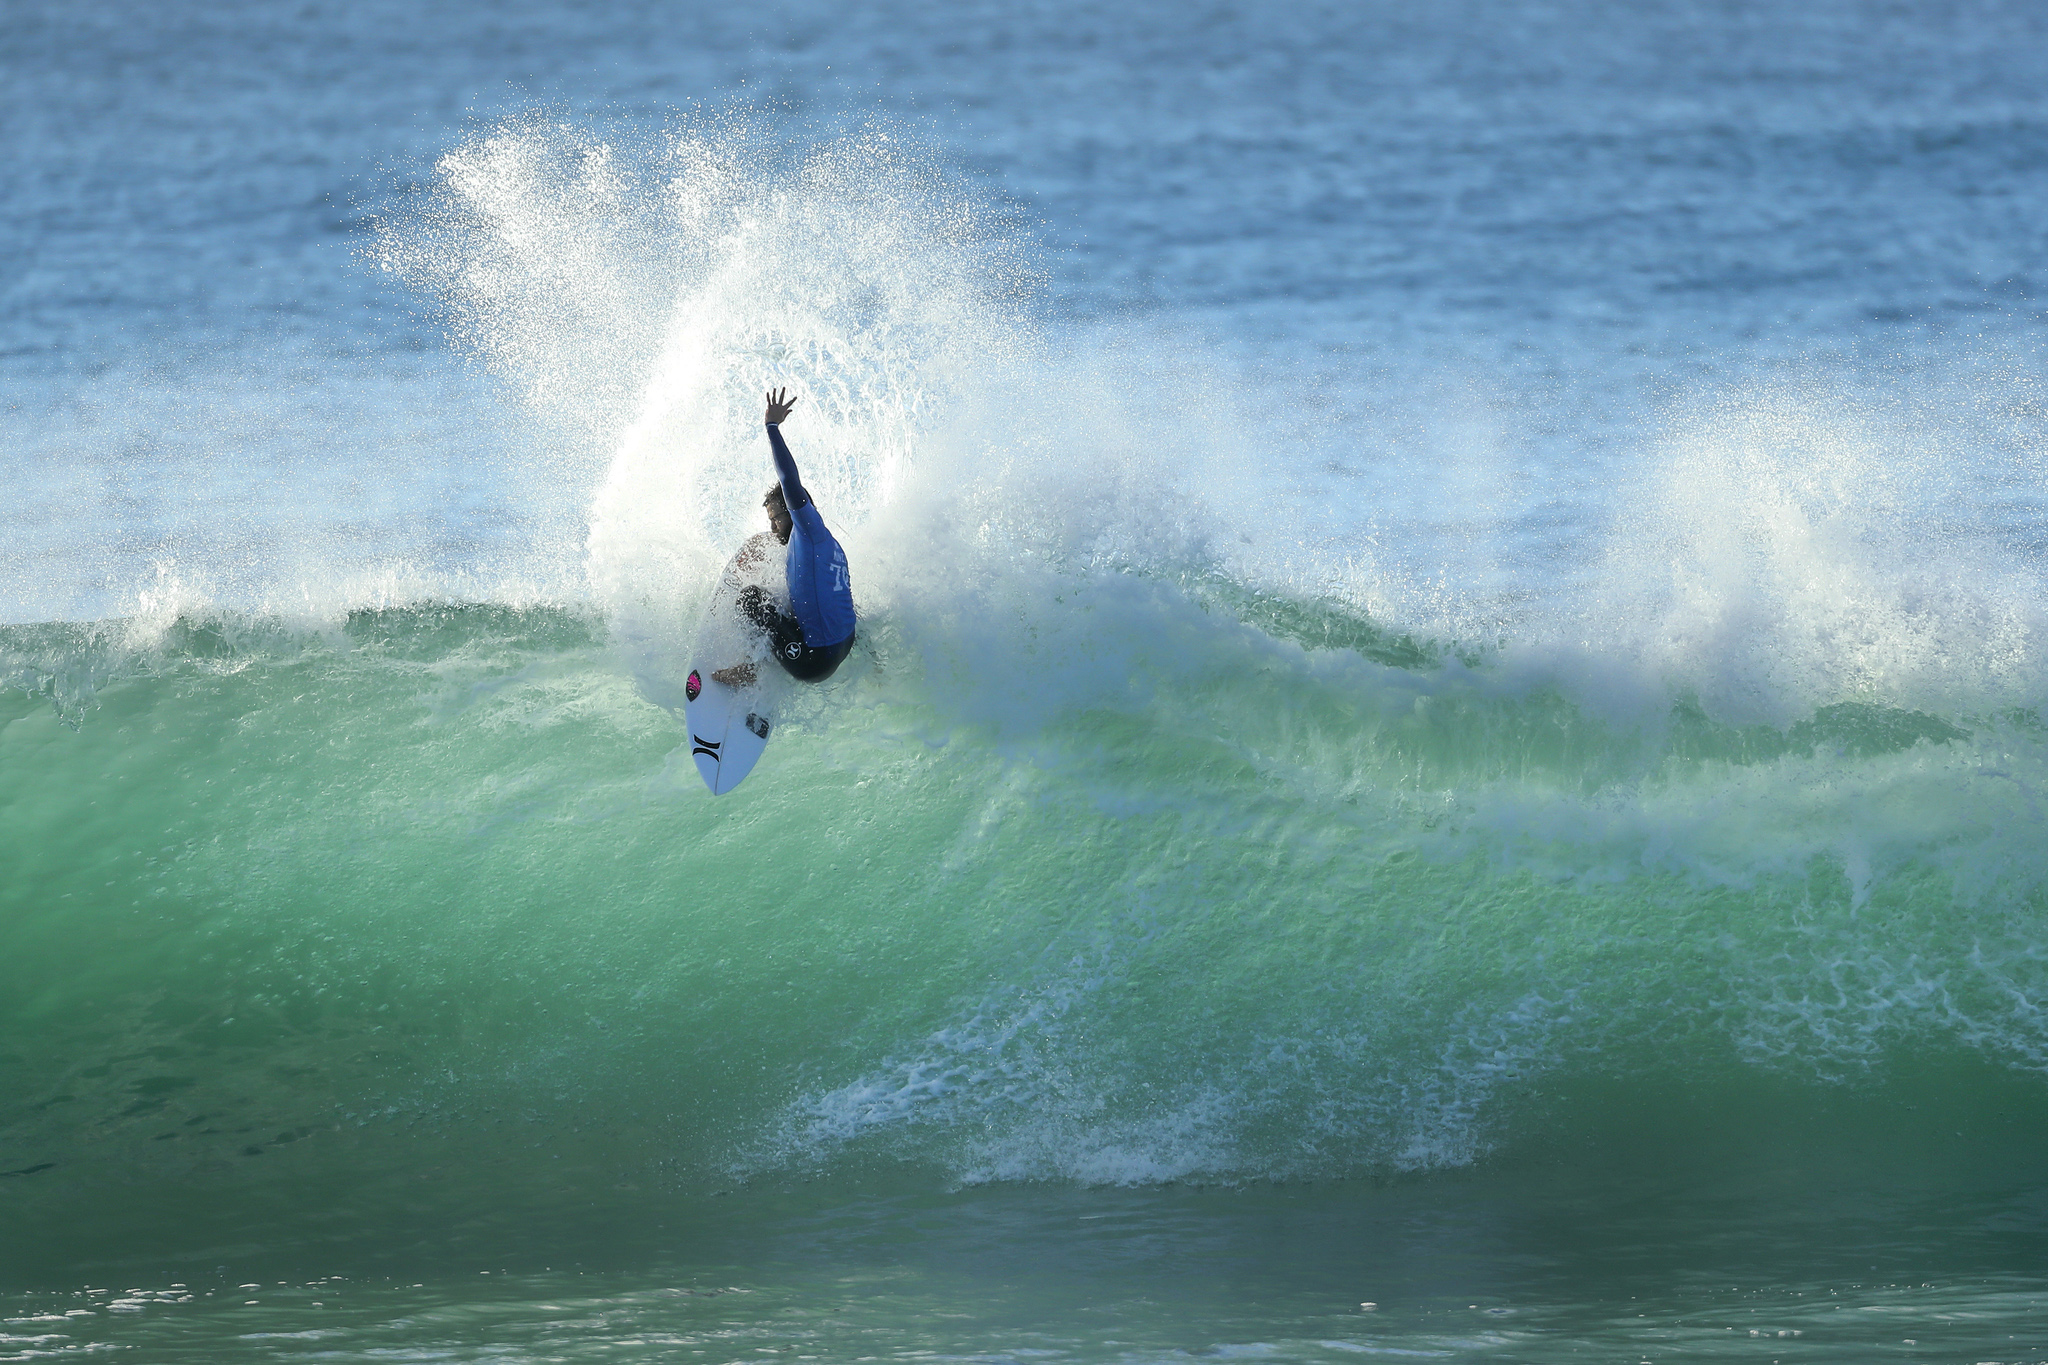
(1047, 1082)
(1791, 548)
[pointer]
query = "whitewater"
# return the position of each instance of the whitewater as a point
(1346, 830)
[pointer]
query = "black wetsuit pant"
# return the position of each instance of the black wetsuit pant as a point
(797, 658)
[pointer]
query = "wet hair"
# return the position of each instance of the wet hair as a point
(774, 502)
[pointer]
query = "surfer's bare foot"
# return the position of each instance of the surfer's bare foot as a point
(740, 674)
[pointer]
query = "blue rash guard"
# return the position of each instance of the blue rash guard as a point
(820, 593)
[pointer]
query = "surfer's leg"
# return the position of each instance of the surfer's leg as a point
(786, 636)
(781, 628)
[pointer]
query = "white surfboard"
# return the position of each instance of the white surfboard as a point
(728, 732)
(729, 723)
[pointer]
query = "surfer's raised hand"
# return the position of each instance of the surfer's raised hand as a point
(780, 405)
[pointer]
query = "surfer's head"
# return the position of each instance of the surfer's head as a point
(778, 513)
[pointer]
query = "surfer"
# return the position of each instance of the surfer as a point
(813, 637)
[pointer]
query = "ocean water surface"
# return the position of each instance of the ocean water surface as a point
(1445, 758)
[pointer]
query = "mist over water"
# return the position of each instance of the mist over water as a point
(1516, 786)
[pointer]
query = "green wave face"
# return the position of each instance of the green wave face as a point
(426, 917)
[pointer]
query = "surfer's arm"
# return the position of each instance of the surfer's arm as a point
(793, 492)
